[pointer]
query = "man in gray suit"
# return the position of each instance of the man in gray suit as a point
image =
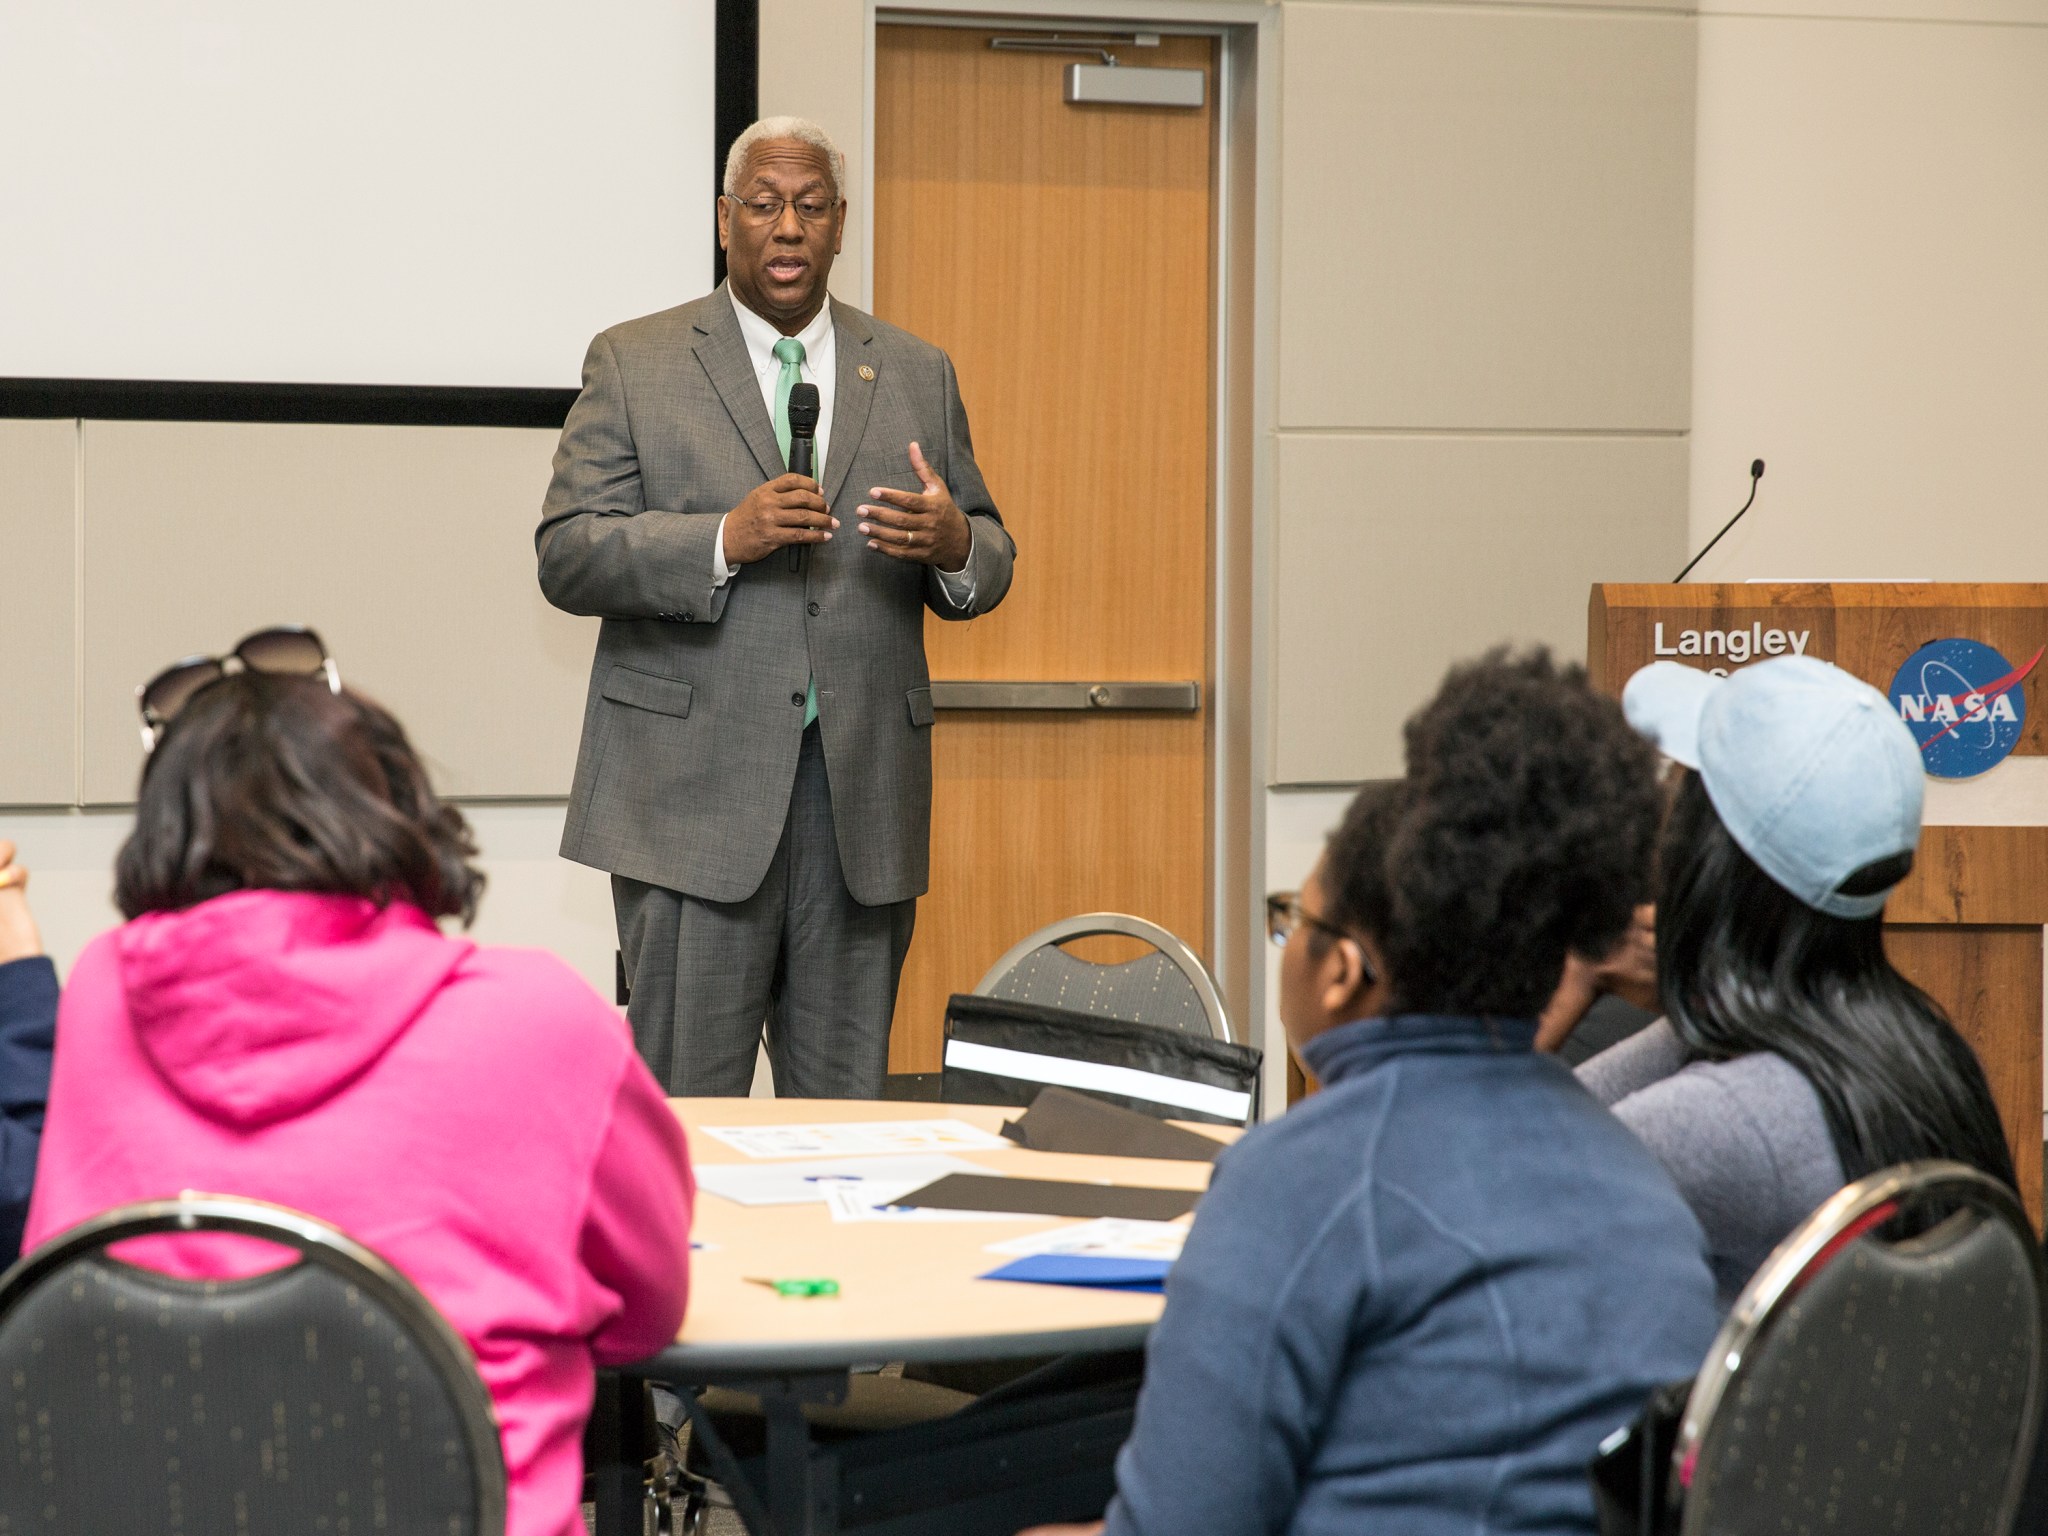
(755, 768)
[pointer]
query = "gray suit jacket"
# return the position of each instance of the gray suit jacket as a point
(695, 711)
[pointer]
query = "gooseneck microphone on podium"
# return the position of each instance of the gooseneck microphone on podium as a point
(803, 444)
(1756, 473)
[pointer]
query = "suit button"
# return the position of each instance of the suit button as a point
(689, 618)
(812, 609)
(797, 699)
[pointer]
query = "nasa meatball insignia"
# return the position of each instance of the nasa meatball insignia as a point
(1964, 704)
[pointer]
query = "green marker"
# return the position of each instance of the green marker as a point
(797, 1287)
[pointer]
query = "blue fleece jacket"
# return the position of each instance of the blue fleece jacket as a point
(1416, 1303)
(28, 1032)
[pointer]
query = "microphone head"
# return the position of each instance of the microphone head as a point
(803, 410)
(1756, 466)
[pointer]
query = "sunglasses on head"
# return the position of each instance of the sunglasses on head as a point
(289, 650)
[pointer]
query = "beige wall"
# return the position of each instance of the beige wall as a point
(38, 611)
(1871, 309)
(1483, 353)
(410, 549)
(813, 64)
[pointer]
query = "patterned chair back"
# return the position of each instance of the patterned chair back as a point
(1881, 1372)
(1169, 987)
(327, 1395)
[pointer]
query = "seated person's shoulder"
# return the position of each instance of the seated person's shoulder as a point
(1650, 1055)
(1330, 1117)
(532, 989)
(1280, 1182)
(1727, 1125)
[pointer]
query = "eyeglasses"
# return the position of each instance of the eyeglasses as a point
(1285, 915)
(287, 650)
(768, 210)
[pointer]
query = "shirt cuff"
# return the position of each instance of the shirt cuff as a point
(959, 585)
(721, 573)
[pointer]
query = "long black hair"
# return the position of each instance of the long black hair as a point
(1743, 965)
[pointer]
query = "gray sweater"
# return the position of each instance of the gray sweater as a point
(1744, 1140)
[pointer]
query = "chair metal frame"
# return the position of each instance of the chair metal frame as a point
(1844, 1216)
(1099, 924)
(331, 1249)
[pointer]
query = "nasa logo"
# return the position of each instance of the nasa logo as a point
(1964, 704)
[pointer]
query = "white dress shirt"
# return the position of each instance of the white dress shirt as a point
(819, 367)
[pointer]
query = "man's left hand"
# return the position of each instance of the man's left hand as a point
(925, 527)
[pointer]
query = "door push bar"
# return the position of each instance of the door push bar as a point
(1171, 698)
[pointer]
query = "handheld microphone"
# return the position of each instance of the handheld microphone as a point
(803, 429)
(1756, 473)
(803, 443)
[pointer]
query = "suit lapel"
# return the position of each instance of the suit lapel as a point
(852, 393)
(723, 352)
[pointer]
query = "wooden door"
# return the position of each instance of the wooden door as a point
(1062, 256)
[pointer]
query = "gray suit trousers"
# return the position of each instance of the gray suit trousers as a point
(799, 957)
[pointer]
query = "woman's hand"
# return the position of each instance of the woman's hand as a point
(18, 937)
(1629, 971)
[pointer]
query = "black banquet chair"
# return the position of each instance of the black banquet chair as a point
(1169, 987)
(1881, 1372)
(327, 1395)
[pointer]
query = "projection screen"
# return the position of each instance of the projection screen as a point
(383, 192)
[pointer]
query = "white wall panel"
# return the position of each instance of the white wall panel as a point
(383, 192)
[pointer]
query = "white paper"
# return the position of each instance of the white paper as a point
(856, 1138)
(868, 1200)
(798, 1183)
(1107, 1237)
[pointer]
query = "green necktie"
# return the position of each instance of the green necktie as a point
(790, 353)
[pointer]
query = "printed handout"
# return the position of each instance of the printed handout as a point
(1107, 1237)
(857, 1138)
(799, 1183)
(867, 1200)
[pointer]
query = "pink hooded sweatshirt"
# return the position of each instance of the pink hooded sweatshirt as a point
(476, 1116)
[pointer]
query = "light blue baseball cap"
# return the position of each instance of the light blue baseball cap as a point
(1809, 769)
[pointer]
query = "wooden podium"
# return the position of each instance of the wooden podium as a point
(1967, 924)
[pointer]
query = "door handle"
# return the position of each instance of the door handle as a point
(1170, 698)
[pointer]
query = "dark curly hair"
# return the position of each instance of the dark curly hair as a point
(1355, 886)
(1528, 832)
(273, 782)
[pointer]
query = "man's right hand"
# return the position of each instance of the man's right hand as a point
(787, 510)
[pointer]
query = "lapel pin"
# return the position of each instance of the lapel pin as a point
(867, 373)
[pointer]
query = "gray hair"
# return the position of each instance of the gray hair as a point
(803, 130)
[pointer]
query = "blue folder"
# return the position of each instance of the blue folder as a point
(1081, 1269)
